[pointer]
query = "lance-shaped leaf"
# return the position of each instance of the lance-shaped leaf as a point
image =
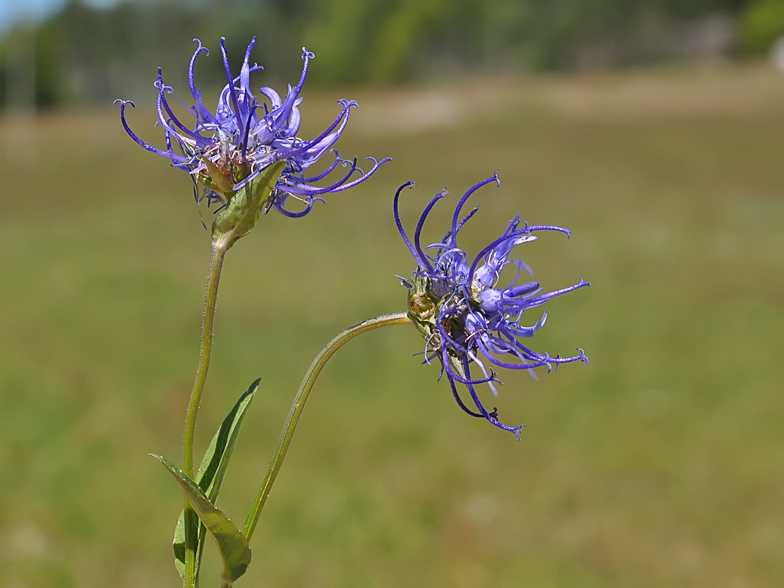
(233, 545)
(211, 472)
(239, 216)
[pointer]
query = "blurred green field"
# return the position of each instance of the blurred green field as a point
(661, 463)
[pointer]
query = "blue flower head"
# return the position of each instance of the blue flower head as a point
(250, 146)
(468, 321)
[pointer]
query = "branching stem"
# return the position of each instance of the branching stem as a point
(299, 404)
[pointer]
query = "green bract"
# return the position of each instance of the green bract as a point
(244, 206)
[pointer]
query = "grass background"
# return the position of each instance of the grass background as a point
(658, 464)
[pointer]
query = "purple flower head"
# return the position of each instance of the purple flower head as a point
(470, 322)
(225, 150)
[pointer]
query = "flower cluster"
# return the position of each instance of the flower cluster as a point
(464, 316)
(225, 150)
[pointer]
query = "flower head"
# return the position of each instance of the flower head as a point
(466, 318)
(227, 150)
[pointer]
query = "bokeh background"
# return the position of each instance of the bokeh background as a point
(654, 130)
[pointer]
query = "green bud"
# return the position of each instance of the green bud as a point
(423, 310)
(242, 212)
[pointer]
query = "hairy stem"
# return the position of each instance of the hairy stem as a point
(210, 299)
(301, 398)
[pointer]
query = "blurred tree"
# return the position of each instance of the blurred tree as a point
(48, 64)
(90, 55)
(18, 68)
(401, 33)
(761, 25)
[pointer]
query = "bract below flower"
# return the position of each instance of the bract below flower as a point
(226, 150)
(467, 319)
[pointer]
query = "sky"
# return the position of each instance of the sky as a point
(17, 11)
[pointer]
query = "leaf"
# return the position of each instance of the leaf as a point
(215, 461)
(239, 216)
(232, 544)
(211, 472)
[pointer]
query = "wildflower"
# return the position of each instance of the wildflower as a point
(229, 149)
(465, 317)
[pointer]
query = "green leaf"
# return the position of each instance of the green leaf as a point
(211, 472)
(232, 544)
(239, 216)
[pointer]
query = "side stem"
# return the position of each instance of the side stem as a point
(301, 398)
(210, 299)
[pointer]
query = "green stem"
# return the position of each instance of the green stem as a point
(210, 299)
(299, 404)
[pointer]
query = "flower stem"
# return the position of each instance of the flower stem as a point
(210, 299)
(301, 398)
